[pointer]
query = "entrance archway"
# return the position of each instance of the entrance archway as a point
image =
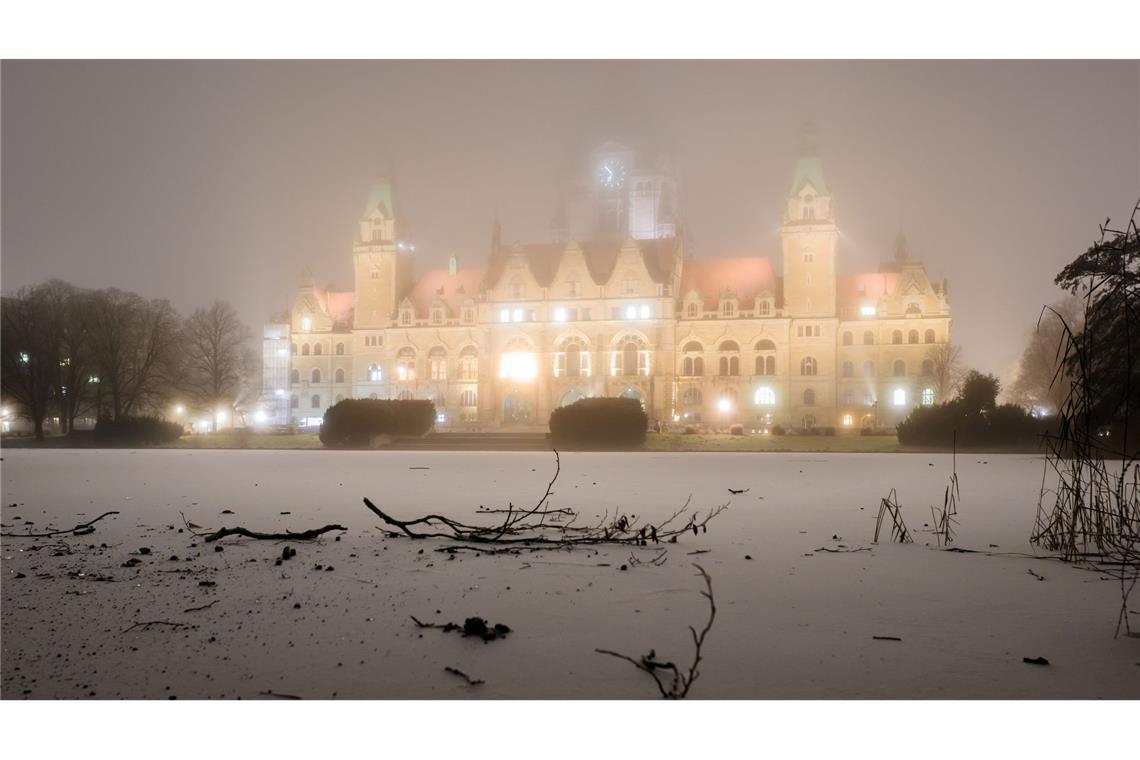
(570, 396)
(516, 409)
(633, 393)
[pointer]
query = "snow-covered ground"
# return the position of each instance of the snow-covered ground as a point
(792, 621)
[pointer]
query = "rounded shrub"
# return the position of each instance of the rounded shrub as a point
(356, 422)
(599, 423)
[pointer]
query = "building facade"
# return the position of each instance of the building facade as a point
(612, 306)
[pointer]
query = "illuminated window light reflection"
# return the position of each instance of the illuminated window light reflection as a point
(898, 397)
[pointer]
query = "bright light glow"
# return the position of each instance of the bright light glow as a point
(644, 311)
(724, 405)
(765, 396)
(93, 379)
(927, 396)
(220, 417)
(898, 397)
(402, 371)
(517, 315)
(504, 315)
(203, 426)
(279, 393)
(23, 357)
(518, 365)
(179, 410)
(560, 314)
(306, 324)
(260, 417)
(282, 352)
(5, 412)
(847, 420)
(867, 311)
(631, 312)
(441, 417)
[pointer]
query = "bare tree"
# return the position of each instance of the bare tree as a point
(29, 345)
(135, 344)
(69, 310)
(216, 357)
(1041, 380)
(947, 371)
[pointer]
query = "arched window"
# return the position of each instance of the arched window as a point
(729, 366)
(809, 397)
(929, 337)
(437, 363)
(729, 345)
(570, 397)
(315, 376)
(374, 373)
(868, 368)
(900, 368)
(573, 359)
(692, 345)
(687, 366)
(406, 364)
(316, 349)
(304, 349)
(340, 349)
(896, 337)
(315, 401)
(467, 398)
(469, 364)
(868, 338)
(699, 366)
(293, 346)
(848, 369)
(694, 309)
(765, 396)
(848, 339)
(295, 376)
(629, 354)
(691, 396)
(912, 336)
(295, 402)
(927, 396)
(927, 367)
(808, 366)
(339, 377)
(848, 398)
(898, 397)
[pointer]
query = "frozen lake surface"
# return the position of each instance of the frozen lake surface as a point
(792, 621)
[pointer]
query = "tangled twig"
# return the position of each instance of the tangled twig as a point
(81, 529)
(676, 687)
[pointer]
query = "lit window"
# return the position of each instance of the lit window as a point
(898, 397)
(927, 396)
(560, 314)
(631, 312)
(517, 315)
(847, 420)
(644, 311)
(518, 365)
(504, 315)
(867, 311)
(306, 324)
(765, 396)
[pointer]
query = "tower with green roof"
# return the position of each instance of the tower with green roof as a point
(382, 264)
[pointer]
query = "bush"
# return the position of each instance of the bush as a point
(866, 431)
(690, 430)
(599, 422)
(826, 431)
(736, 429)
(135, 431)
(778, 430)
(357, 421)
(1005, 425)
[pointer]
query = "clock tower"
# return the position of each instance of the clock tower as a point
(809, 237)
(382, 262)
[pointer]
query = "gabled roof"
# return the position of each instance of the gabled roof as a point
(866, 288)
(380, 196)
(601, 257)
(451, 289)
(809, 170)
(746, 276)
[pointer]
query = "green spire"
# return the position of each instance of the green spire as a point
(380, 195)
(809, 168)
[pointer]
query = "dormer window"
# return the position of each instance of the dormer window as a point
(763, 308)
(468, 315)
(629, 286)
(306, 324)
(405, 317)
(809, 209)
(728, 309)
(437, 316)
(694, 310)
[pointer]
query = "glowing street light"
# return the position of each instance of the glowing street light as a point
(260, 417)
(179, 410)
(724, 406)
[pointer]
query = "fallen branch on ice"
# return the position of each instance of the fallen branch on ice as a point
(470, 681)
(678, 686)
(82, 529)
(305, 535)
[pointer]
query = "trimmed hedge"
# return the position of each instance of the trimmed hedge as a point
(599, 422)
(356, 421)
(1005, 425)
(133, 431)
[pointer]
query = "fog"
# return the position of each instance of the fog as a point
(196, 180)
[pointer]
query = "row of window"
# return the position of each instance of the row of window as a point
(467, 399)
(766, 396)
(694, 310)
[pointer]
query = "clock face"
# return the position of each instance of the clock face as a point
(611, 174)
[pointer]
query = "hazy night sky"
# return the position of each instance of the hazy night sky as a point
(196, 180)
